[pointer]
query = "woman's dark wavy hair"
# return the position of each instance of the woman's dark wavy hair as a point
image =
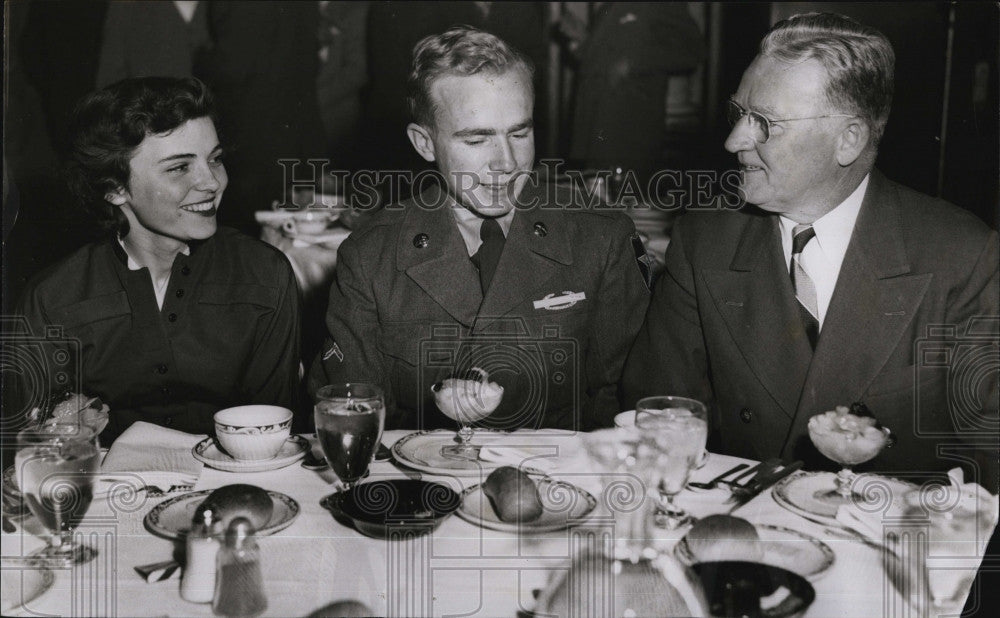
(109, 124)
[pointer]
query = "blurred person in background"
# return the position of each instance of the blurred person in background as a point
(625, 57)
(342, 75)
(262, 65)
(151, 38)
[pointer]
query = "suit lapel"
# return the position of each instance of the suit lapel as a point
(528, 261)
(442, 268)
(873, 303)
(755, 298)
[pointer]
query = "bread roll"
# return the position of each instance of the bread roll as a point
(238, 500)
(724, 537)
(513, 494)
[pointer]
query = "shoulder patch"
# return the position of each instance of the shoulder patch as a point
(643, 259)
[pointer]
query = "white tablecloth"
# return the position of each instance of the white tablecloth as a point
(459, 570)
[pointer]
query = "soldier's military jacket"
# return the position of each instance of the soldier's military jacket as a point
(406, 310)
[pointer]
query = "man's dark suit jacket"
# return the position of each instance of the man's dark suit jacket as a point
(908, 332)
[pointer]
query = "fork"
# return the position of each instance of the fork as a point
(715, 482)
(763, 467)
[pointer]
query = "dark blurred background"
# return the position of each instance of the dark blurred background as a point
(632, 85)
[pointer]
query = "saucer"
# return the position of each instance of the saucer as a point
(23, 581)
(209, 453)
(563, 505)
(423, 450)
(172, 518)
(625, 419)
(797, 491)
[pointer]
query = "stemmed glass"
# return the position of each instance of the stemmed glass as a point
(676, 429)
(847, 439)
(349, 423)
(466, 401)
(621, 451)
(55, 468)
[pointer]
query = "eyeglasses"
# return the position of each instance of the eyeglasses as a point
(761, 124)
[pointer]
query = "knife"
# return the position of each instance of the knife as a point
(763, 481)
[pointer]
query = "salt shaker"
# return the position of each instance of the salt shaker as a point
(239, 587)
(198, 581)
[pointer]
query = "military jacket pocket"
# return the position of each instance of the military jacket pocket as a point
(92, 310)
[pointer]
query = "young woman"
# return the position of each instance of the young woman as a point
(171, 317)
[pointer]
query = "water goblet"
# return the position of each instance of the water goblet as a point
(349, 422)
(621, 452)
(957, 522)
(55, 467)
(676, 429)
(847, 439)
(466, 400)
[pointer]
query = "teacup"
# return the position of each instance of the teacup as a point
(253, 432)
(309, 222)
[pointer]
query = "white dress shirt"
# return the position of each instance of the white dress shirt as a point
(822, 256)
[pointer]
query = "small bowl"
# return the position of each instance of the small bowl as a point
(253, 433)
(743, 587)
(385, 508)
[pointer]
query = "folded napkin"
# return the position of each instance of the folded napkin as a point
(970, 497)
(548, 452)
(153, 456)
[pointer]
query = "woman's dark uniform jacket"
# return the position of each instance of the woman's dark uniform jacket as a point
(406, 310)
(227, 335)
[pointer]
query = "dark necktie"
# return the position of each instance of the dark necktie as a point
(805, 289)
(488, 256)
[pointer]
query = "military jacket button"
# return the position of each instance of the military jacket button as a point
(540, 229)
(421, 241)
(746, 415)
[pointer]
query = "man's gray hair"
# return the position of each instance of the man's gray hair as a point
(859, 60)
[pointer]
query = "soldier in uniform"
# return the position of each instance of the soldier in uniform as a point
(487, 269)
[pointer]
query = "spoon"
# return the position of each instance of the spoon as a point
(715, 482)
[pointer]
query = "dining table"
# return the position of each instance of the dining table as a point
(458, 569)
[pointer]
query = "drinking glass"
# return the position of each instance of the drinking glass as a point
(676, 429)
(957, 531)
(349, 422)
(55, 468)
(466, 400)
(622, 453)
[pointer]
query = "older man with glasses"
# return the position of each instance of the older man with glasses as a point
(832, 285)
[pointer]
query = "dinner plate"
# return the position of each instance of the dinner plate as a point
(782, 547)
(209, 453)
(563, 505)
(172, 518)
(421, 450)
(796, 493)
(10, 488)
(22, 580)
